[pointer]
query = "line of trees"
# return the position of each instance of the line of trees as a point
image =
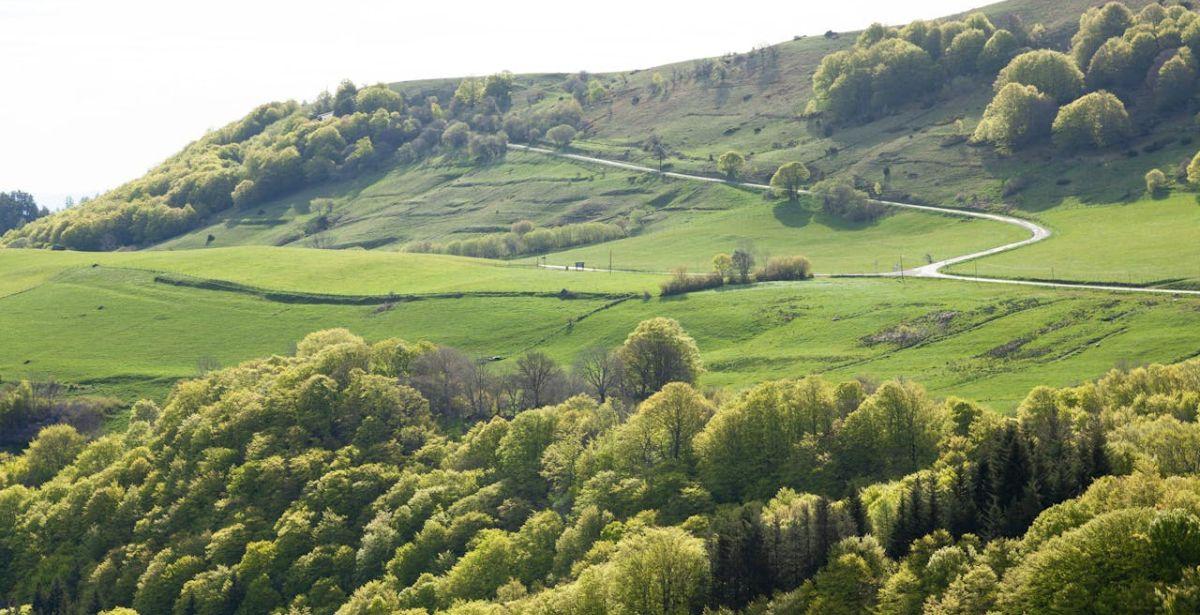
(527, 238)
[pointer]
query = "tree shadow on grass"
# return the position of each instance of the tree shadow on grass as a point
(793, 214)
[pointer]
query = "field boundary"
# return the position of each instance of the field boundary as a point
(295, 297)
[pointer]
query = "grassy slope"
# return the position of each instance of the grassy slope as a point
(351, 272)
(690, 239)
(118, 332)
(1141, 242)
(686, 222)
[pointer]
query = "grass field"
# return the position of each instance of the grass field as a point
(116, 331)
(776, 228)
(1147, 241)
(349, 272)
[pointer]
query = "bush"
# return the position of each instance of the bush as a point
(682, 282)
(1156, 181)
(524, 238)
(1019, 114)
(841, 200)
(785, 268)
(1052, 73)
(1097, 120)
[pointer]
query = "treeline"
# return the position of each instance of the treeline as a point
(737, 268)
(282, 147)
(526, 238)
(1079, 98)
(795, 496)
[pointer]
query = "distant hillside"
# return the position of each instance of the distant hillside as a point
(396, 165)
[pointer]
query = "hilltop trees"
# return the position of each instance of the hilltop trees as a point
(279, 148)
(17, 209)
(789, 178)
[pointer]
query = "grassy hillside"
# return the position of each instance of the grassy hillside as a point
(116, 330)
(1146, 241)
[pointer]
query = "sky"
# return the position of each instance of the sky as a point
(96, 93)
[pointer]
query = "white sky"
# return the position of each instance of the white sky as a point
(95, 92)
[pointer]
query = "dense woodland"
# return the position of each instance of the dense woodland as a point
(348, 478)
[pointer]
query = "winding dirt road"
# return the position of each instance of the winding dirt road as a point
(1037, 232)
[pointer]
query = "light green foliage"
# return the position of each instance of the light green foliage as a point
(789, 178)
(731, 164)
(1019, 114)
(1097, 25)
(1053, 74)
(656, 353)
(561, 135)
(660, 572)
(1095, 120)
(1156, 182)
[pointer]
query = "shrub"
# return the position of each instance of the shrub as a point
(683, 282)
(1098, 120)
(842, 200)
(1156, 181)
(1051, 72)
(1019, 114)
(785, 268)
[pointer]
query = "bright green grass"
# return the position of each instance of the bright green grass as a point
(776, 228)
(122, 333)
(116, 331)
(351, 272)
(1142, 242)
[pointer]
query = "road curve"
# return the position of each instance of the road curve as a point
(933, 270)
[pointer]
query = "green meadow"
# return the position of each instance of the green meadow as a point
(119, 331)
(1144, 242)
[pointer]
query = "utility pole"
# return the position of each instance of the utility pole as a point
(610, 260)
(902, 268)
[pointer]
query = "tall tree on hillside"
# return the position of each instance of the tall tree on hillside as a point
(18, 208)
(345, 101)
(657, 149)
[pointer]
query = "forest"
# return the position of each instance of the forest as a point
(805, 495)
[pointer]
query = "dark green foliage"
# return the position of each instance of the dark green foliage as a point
(18, 208)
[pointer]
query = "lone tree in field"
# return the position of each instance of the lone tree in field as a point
(1156, 182)
(561, 135)
(656, 353)
(789, 178)
(743, 262)
(723, 265)
(656, 148)
(730, 164)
